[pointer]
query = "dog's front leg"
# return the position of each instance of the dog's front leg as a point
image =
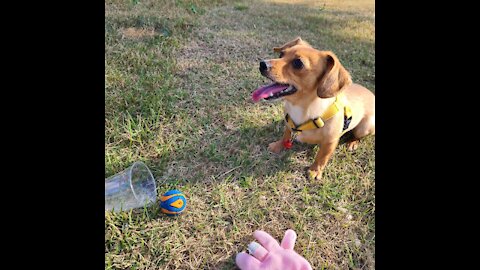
(277, 146)
(323, 155)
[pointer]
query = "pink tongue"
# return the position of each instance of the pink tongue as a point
(264, 91)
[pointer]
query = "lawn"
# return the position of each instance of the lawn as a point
(178, 80)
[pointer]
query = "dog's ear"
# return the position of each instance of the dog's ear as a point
(334, 78)
(296, 41)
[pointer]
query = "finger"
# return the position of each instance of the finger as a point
(267, 241)
(246, 262)
(307, 266)
(289, 239)
(257, 251)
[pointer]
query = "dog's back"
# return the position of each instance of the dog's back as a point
(362, 103)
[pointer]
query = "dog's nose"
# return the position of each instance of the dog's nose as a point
(263, 67)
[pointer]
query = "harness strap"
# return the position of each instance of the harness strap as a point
(320, 121)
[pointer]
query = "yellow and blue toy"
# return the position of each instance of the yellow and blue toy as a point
(173, 202)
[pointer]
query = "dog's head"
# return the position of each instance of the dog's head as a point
(301, 72)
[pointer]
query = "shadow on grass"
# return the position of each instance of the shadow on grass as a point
(243, 154)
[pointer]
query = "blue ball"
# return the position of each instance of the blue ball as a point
(173, 202)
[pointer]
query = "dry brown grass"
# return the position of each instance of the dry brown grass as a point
(137, 33)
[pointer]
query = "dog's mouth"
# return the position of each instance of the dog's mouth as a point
(273, 91)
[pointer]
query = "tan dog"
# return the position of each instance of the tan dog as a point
(321, 103)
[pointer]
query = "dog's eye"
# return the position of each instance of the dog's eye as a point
(297, 64)
(281, 54)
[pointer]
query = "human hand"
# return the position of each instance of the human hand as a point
(270, 255)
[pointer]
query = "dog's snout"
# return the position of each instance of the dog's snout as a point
(263, 67)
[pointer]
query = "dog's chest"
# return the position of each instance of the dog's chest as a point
(300, 115)
(296, 113)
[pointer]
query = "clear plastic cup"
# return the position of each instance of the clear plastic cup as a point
(131, 188)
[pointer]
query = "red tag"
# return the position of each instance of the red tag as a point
(287, 144)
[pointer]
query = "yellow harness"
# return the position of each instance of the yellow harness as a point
(319, 122)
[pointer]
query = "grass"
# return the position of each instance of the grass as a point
(178, 79)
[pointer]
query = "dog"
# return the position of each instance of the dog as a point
(321, 103)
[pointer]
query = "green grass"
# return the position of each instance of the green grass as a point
(178, 79)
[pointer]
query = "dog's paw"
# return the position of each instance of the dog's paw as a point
(352, 145)
(314, 174)
(275, 147)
